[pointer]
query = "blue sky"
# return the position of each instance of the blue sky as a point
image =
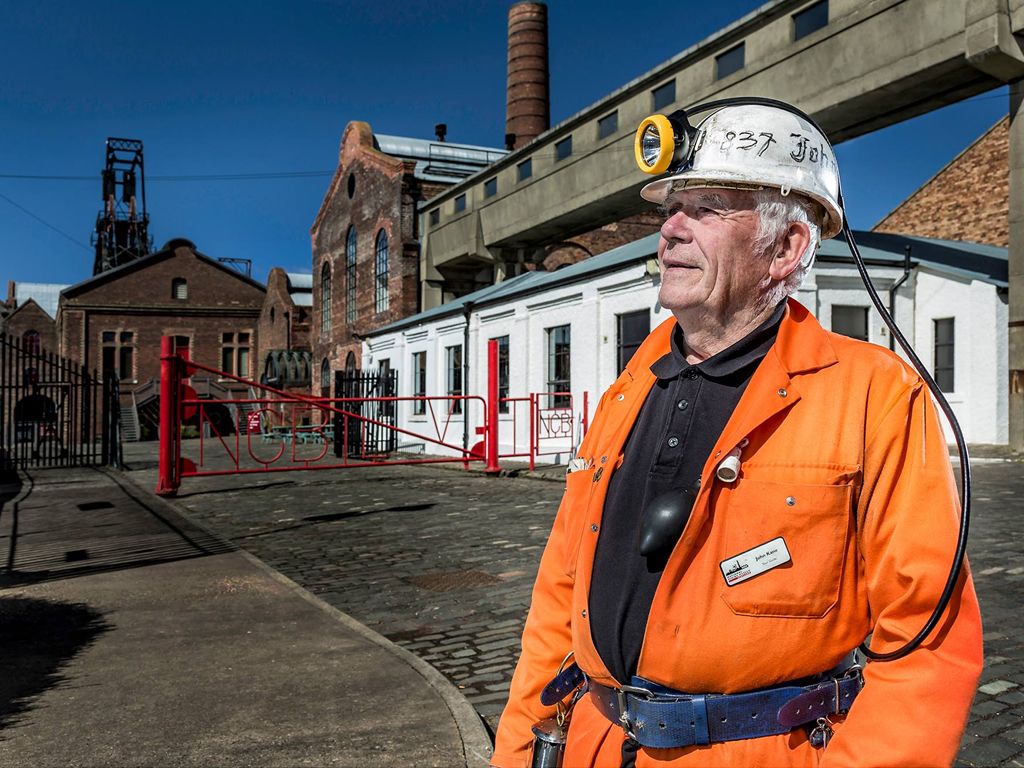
(226, 87)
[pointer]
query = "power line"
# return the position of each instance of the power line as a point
(45, 223)
(196, 177)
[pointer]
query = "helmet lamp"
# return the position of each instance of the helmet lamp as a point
(660, 142)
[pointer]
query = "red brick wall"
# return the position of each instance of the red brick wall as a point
(31, 317)
(384, 197)
(966, 200)
(139, 301)
(602, 239)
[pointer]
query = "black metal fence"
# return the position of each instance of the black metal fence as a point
(362, 438)
(53, 411)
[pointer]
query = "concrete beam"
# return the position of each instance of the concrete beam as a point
(989, 41)
(876, 63)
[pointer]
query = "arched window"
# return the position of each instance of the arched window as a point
(325, 378)
(381, 284)
(350, 276)
(325, 299)
(350, 361)
(31, 343)
(179, 288)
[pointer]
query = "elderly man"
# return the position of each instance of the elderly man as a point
(756, 496)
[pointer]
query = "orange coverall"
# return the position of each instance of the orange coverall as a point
(848, 463)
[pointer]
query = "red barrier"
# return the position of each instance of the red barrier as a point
(169, 477)
(492, 408)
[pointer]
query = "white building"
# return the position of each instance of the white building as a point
(573, 329)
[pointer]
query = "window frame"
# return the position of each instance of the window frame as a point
(663, 95)
(380, 287)
(325, 298)
(806, 13)
(524, 170)
(602, 122)
(939, 373)
(620, 348)
(176, 284)
(491, 187)
(459, 204)
(563, 149)
(350, 275)
(862, 314)
(556, 357)
(722, 62)
(503, 372)
(453, 377)
(419, 382)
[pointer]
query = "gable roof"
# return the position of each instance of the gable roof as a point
(46, 295)
(164, 253)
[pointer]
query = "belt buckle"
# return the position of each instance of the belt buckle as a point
(620, 695)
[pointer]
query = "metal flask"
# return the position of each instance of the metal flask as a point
(548, 743)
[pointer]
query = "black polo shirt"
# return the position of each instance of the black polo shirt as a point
(678, 425)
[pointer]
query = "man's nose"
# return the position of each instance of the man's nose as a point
(676, 227)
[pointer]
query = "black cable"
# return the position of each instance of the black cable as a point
(961, 443)
(965, 464)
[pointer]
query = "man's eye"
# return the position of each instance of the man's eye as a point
(673, 210)
(704, 211)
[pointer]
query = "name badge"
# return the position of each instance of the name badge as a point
(754, 562)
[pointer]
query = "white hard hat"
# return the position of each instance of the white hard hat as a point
(753, 146)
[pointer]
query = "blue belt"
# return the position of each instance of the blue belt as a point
(661, 718)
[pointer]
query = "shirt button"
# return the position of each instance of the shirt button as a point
(673, 442)
(621, 397)
(682, 405)
(691, 374)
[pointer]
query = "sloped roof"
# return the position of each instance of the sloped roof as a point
(46, 295)
(152, 258)
(300, 288)
(972, 260)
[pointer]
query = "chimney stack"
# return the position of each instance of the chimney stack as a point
(527, 110)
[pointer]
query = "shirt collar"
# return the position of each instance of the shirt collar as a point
(748, 350)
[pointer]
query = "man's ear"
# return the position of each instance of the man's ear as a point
(791, 248)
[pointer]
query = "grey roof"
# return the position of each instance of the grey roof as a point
(533, 282)
(300, 288)
(300, 281)
(973, 260)
(46, 295)
(439, 160)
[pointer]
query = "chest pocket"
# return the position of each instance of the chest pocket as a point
(579, 487)
(816, 523)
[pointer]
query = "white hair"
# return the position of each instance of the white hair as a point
(776, 212)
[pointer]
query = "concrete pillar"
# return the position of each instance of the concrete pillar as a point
(1015, 254)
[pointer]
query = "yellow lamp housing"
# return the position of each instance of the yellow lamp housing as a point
(654, 144)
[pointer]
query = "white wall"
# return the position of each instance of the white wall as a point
(591, 308)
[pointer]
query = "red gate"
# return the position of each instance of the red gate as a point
(299, 428)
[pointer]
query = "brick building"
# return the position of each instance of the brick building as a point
(365, 237)
(28, 315)
(284, 331)
(114, 321)
(967, 200)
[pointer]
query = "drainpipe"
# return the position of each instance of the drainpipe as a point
(895, 287)
(467, 310)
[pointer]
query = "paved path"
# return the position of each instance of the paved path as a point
(130, 636)
(442, 562)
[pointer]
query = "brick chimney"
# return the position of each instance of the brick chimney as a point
(527, 110)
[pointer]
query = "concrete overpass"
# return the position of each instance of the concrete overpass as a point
(874, 63)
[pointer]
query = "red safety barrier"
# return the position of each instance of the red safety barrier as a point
(287, 418)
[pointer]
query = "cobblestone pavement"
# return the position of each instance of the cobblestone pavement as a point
(442, 561)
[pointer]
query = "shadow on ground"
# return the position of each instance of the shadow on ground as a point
(37, 640)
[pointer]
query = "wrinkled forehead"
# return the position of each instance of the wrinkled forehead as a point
(712, 197)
